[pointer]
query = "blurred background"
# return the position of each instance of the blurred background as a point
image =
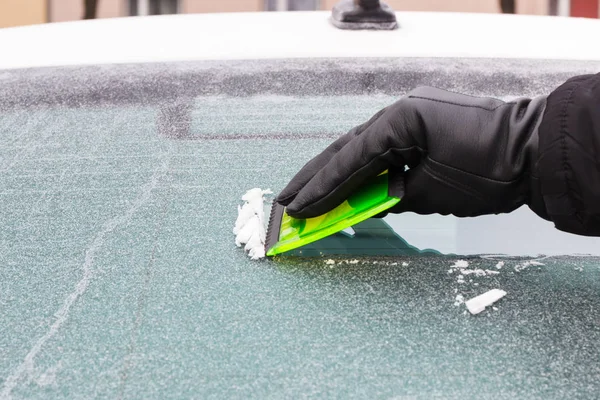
(27, 12)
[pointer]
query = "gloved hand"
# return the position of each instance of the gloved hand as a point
(466, 156)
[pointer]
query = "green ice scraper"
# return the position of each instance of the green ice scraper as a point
(285, 233)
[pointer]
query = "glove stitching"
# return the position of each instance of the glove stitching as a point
(462, 105)
(450, 181)
(559, 142)
(565, 156)
(475, 175)
(475, 97)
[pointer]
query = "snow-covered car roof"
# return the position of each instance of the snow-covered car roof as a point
(244, 36)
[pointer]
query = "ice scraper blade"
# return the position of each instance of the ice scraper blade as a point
(285, 233)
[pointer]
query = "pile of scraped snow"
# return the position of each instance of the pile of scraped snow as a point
(249, 227)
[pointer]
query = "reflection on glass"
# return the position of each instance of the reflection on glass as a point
(373, 237)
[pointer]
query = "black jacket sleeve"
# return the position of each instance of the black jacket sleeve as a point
(568, 162)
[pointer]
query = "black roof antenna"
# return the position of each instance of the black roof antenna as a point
(363, 14)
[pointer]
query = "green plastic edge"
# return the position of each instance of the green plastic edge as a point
(282, 247)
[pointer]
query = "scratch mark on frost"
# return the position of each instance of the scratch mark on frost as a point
(63, 313)
(128, 361)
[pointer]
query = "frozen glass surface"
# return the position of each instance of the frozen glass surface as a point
(119, 276)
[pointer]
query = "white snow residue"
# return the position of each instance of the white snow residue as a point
(476, 272)
(249, 227)
(404, 264)
(461, 266)
(500, 265)
(48, 377)
(479, 303)
(458, 300)
(330, 262)
(526, 264)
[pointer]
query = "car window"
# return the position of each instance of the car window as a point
(119, 187)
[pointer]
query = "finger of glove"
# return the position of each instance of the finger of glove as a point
(311, 168)
(363, 157)
(419, 193)
(417, 190)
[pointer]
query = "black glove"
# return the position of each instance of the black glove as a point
(466, 156)
(569, 156)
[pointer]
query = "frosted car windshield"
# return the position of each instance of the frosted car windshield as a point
(120, 277)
